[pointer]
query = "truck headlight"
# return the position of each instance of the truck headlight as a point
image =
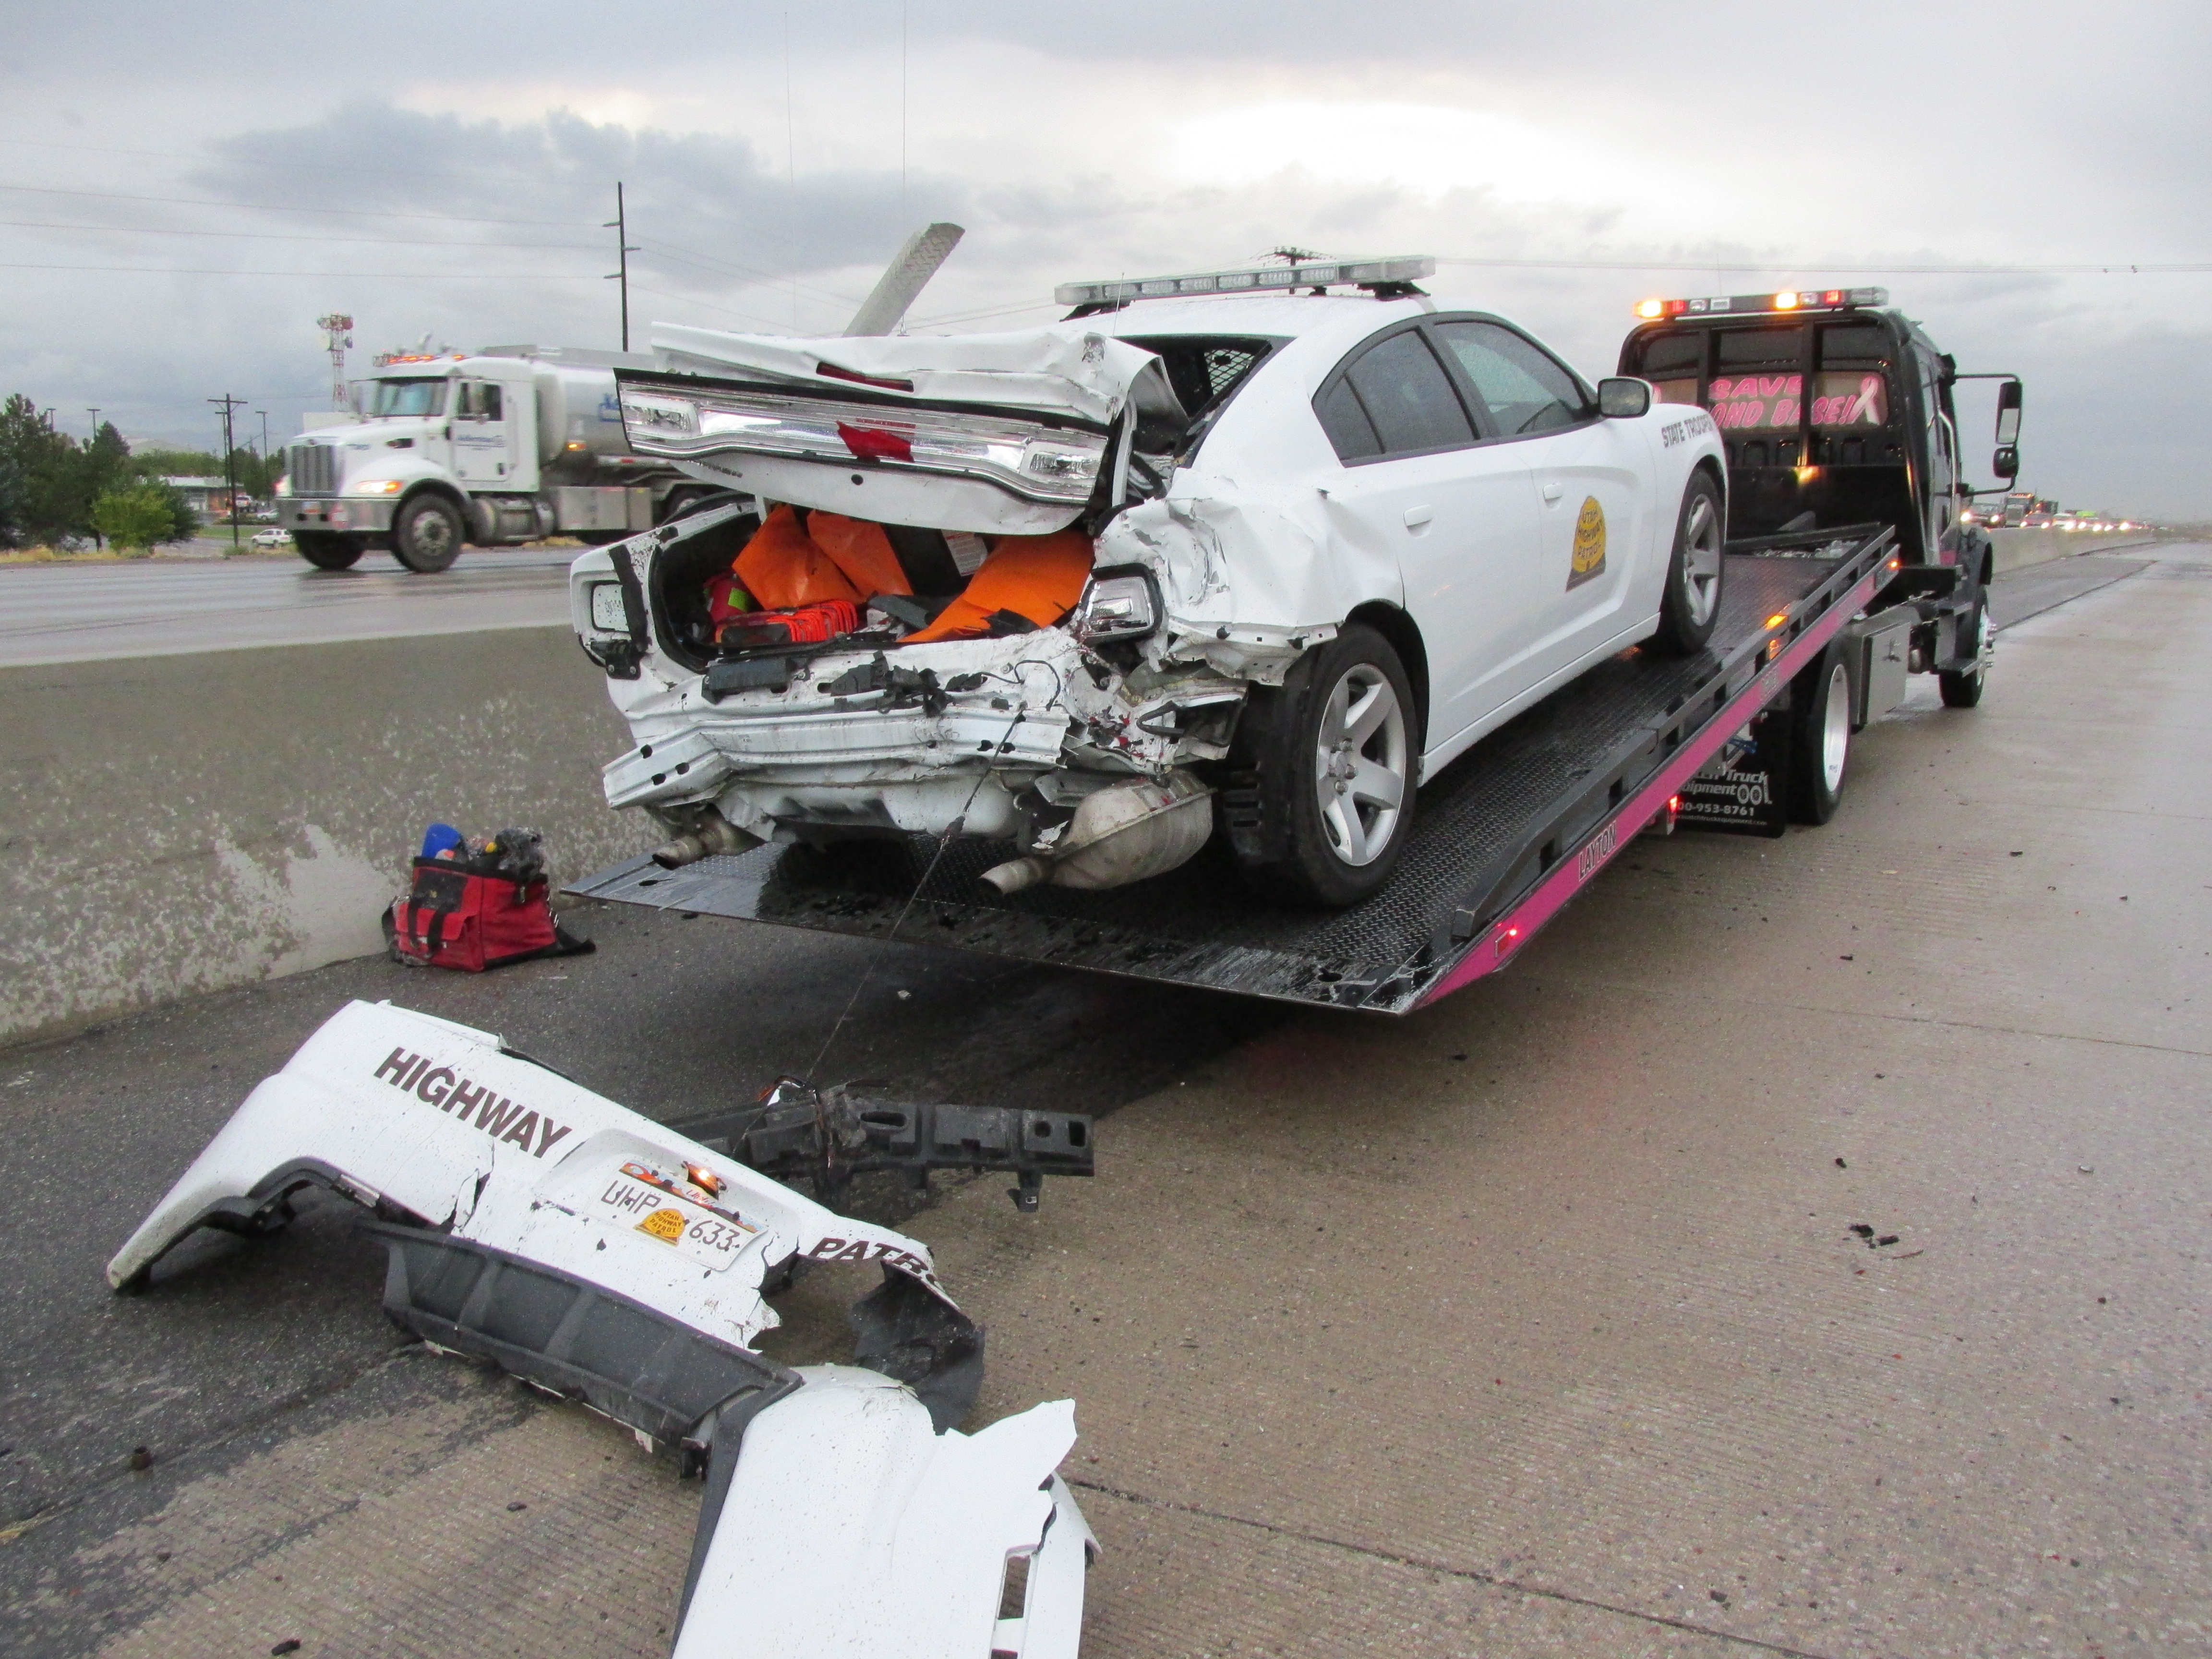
(376, 486)
(605, 601)
(1118, 605)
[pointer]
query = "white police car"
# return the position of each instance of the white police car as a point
(1328, 535)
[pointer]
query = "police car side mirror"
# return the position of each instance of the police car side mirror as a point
(2006, 462)
(1623, 399)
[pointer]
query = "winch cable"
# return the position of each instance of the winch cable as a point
(943, 840)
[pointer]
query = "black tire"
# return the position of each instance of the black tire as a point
(1963, 689)
(1291, 846)
(326, 549)
(682, 503)
(1695, 571)
(427, 536)
(1820, 736)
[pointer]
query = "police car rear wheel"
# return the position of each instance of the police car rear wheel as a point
(427, 536)
(326, 550)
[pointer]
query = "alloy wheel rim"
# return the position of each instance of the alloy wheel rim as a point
(1701, 559)
(1836, 728)
(1362, 761)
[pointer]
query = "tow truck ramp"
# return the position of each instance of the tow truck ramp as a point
(1503, 840)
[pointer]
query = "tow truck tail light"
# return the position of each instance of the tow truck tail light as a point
(1787, 299)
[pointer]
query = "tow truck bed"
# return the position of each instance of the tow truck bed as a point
(1504, 837)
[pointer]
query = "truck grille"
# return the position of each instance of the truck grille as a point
(314, 470)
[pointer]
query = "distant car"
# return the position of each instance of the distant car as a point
(272, 538)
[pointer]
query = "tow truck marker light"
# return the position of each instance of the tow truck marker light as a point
(1778, 619)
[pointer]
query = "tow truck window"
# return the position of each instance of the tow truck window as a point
(1526, 389)
(478, 401)
(402, 397)
(1405, 397)
(1674, 364)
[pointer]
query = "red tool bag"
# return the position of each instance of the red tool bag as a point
(455, 918)
(807, 624)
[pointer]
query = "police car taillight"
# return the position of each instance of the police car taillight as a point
(1787, 299)
(1258, 279)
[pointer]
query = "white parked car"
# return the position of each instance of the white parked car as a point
(1253, 559)
(272, 538)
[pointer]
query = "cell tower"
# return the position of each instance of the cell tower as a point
(337, 335)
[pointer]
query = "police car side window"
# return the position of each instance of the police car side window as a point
(1526, 389)
(1407, 398)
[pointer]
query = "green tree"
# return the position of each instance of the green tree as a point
(138, 516)
(47, 463)
(11, 502)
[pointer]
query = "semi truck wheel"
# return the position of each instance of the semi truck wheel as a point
(426, 535)
(1819, 736)
(1963, 689)
(1335, 752)
(327, 550)
(1692, 601)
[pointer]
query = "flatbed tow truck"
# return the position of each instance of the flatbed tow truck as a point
(1821, 621)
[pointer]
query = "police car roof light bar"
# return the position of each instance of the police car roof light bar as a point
(1375, 273)
(1787, 299)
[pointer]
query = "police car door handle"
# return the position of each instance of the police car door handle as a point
(1552, 492)
(1418, 516)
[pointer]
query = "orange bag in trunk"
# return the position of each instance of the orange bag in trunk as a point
(1036, 578)
(862, 550)
(782, 568)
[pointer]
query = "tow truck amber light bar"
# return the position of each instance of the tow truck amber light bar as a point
(1258, 279)
(1787, 299)
(1052, 465)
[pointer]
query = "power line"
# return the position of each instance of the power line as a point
(2112, 269)
(745, 273)
(241, 160)
(281, 236)
(335, 276)
(269, 207)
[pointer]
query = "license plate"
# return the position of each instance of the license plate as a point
(690, 1230)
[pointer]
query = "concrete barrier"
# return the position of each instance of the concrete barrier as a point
(180, 824)
(2015, 548)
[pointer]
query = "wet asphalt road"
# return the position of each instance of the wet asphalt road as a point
(2025, 1031)
(161, 607)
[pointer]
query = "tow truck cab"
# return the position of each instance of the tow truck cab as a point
(1834, 412)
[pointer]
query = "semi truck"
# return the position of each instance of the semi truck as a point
(505, 444)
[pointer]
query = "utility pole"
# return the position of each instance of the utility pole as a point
(267, 478)
(94, 413)
(337, 335)
(230, 461)
(620, 225)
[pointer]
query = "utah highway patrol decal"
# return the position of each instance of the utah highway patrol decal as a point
(1589, 544)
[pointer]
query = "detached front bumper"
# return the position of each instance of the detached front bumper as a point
(350, 515)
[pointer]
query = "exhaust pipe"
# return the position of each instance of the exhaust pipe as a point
(1123, 833)
(712, 836)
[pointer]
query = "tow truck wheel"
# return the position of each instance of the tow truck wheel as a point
(1692, 601)
(1963, 689)
(326, 550)
(426, 535)
(1821, 736)
(1337, 751)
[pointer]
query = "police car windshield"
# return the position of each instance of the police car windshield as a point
(409, 396)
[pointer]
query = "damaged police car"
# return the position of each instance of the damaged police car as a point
(1250, 552)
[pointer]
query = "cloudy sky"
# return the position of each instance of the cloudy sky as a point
(184, 190)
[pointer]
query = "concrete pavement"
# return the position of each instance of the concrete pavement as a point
(1536, 1324)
